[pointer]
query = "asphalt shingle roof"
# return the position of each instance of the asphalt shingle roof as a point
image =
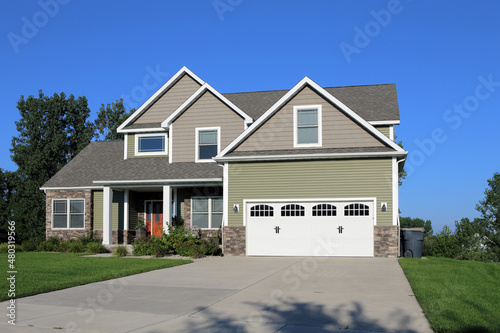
(103, 161)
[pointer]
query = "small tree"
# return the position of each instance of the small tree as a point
(408, 222)
(489, 208)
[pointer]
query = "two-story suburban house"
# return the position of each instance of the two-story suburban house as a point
(309, 171)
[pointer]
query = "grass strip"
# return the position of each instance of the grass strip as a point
(456, 295)
(41, 272)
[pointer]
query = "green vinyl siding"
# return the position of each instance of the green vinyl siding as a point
(385, 130)
(98, 210)
(117, 220)
(360, 178)
(131, 148)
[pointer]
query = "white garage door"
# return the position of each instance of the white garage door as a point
(310, 228)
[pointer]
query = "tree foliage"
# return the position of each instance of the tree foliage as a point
(109, 119)
(408, 222)
(488, 225)
(52, 130)
(7, 180)
(401, 174)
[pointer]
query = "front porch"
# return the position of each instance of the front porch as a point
(119, 212)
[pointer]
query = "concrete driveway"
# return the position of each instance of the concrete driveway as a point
(235, 294)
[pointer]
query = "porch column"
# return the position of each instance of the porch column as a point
(107, 218)
(167, 207)
(126, 225)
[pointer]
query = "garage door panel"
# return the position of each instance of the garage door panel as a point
(310, 234)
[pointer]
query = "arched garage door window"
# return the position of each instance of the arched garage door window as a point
(261, 210)
(292, 210)
(324, 210)
(356, 209)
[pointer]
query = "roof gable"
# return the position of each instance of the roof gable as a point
(196, 96)
(137, 120)
(307, 82)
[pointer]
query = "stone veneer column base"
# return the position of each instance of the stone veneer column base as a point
(233, 241)
(386, 241)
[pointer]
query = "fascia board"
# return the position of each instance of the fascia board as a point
(159, 92)
(309, 156)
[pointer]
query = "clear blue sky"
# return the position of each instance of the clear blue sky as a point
(444, 57)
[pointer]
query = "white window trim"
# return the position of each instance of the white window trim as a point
(137, 153)
(209, 211)
(68, 213)
(295, 129)
(196, 140)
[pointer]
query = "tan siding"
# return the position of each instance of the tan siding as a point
(385, 130)
(98, 210)
(131, 148)
(208, 111)
(170, 101)
(338, 130)
(309, 180)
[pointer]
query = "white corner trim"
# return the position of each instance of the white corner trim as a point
(225, 195)
(158, 93)
(328, 97)
(195, 96)
(125, 146)
(395, 191)
(170, 144)
(136, 147)
(196, 140)
(391, 133)
(296, 109)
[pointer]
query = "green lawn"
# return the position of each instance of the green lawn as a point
(456, 295)
(40, 272)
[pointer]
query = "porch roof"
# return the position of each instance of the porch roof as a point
(102, 162)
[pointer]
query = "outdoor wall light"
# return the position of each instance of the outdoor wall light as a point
(236, 208)
(383, 206)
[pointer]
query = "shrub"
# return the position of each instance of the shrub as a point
(31, 245)
(95, 247)
(211, 247)
(4, 247)
(143, 246)
(76, 247)
(89, 238)
(190, 248)
(45, 246)
(120, 251)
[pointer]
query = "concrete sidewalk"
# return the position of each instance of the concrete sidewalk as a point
(235, 294)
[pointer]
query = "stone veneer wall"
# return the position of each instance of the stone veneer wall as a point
(233, 241)
(68, 194)
(386, 241)
(119, 236)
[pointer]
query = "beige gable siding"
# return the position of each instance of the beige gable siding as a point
(170, 101)
(338, 130)
(357, 178)
(207, 111)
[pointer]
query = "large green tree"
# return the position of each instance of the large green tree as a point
(109, 118)
(7, 180)
(52, 130)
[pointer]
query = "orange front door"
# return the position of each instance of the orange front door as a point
(154, 218)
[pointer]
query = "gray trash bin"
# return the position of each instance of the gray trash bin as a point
(413, 242)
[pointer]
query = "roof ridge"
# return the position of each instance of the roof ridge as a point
(279, 90)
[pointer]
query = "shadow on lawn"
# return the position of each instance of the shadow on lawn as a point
(291, 316)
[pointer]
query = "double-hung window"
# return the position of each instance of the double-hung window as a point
(207, 143)
(307, 126)
(151, 144)
(206, 212)
(68, 213)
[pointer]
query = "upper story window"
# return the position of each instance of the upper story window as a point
(307, 126)
(207, 143)
(68, 213)
(151, 144)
